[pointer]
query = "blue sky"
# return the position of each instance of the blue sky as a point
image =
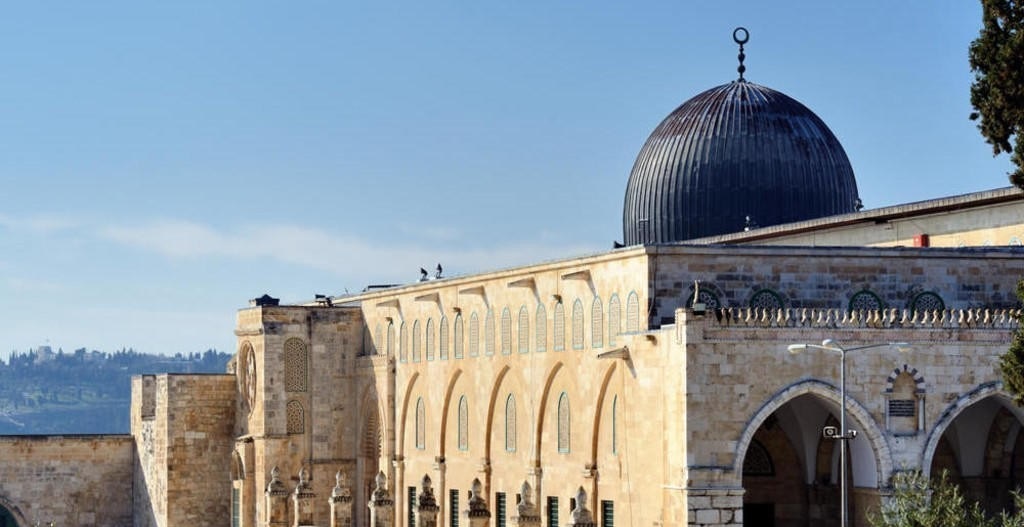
(162, 163)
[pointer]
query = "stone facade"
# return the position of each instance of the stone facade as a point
(642, 386)
(183, 427)
(68, 480)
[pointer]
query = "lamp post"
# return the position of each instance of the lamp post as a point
(842, 434)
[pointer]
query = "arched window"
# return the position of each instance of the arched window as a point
(541, 331)
(866, 301)
(430, 339)
(506, 332)
(403, 344)
(295, 365)
(558, 339)
(524, 330)
(597, 324)
(615, 425)
(927, 302)
(390, 346)
(474, 335)
(766, 299)
(442, 337)
(421, 424)
(577, 325)
(463, 423)
(416, 336)
(614, 319)
(460, 337)
(295, 420)
(489, 333)
(510, 423)
(564, 440)
(632, 313)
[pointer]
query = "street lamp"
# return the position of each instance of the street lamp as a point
(842, 434)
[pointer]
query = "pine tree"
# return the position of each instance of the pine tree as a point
(997, 94)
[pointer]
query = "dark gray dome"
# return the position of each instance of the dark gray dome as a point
(735, 151)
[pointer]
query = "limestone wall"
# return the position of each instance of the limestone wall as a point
(739, 375)
(491, 358)
(307, 407)
(832, 278)
(182, 472)
(68, 480)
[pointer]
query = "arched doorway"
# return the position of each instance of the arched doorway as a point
(981, 449)
(7, 517)
(790, 471)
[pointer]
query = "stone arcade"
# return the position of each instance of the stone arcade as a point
(647, 385)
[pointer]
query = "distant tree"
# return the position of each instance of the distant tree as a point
(1011, 363)
(997, 94)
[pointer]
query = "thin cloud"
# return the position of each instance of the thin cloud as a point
(39, 224)
(342, 254)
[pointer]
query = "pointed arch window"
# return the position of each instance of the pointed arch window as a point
(430, 339)
(524, 330)
(614, 319)
(510, 423)
(295, 418)
(403, 343)
(506, 332)
(489, 333)
(416, 336)
(596, 324)
(421, 424)
(474, 335)
(577, 325)
(390, 345)
(564, 439)
(459, 337)
(463, 423)
(296, 365)
(558, 338)
(442, 339)
(541, 331)
(632, 313)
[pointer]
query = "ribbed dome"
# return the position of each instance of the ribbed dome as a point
(734, 151)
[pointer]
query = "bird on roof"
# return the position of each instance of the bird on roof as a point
(423, 275)
(438, 275)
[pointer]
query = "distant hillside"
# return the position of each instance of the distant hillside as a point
(84, 392)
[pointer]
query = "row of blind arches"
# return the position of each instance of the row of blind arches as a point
(433, 340)
(564, 441)
(864, 300)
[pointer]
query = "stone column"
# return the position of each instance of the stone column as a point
(477, 515)
(527, 513)
(341, 502)
(382, 507)
(302, 501)
(581, 515)
(277, 500)
(426, 509)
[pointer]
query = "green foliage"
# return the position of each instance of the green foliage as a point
(997, 94)
(1011, 362)
(917, 502)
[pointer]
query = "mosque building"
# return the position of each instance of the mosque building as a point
(647, 385)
